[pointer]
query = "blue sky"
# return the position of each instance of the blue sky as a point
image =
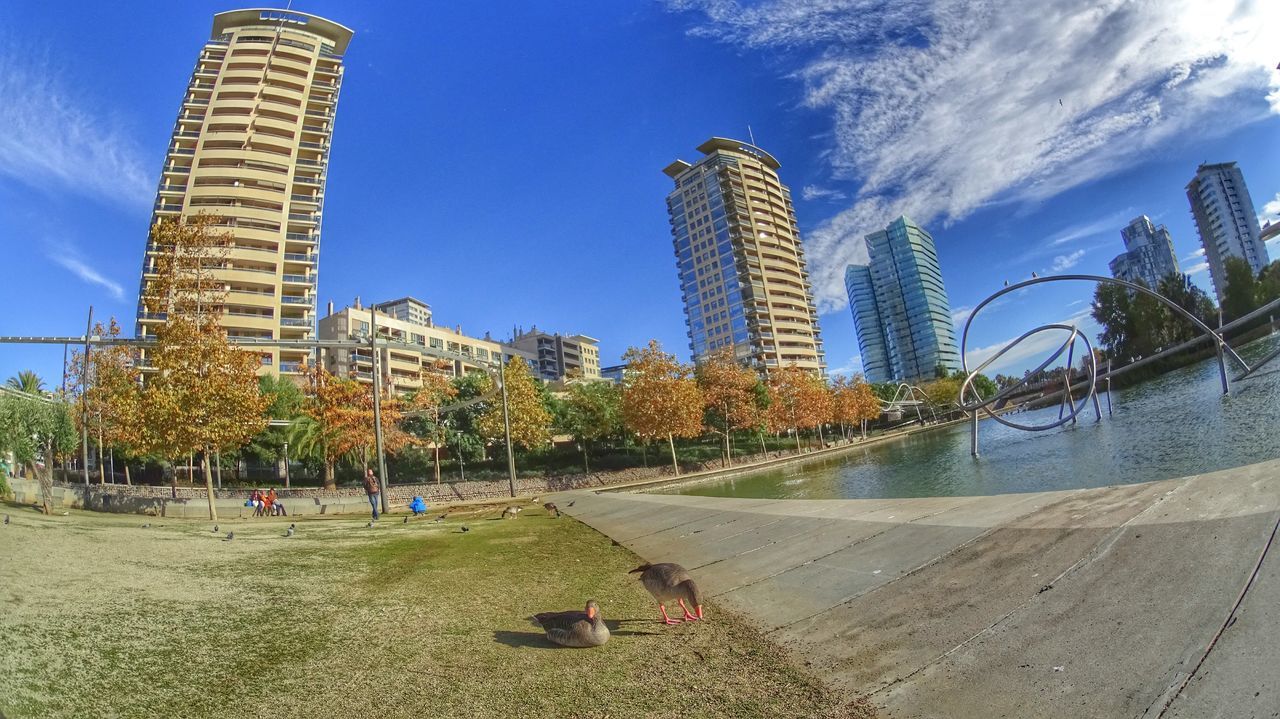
(503, 162)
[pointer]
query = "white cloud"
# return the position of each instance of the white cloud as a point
(813, 192)
(50, 139)
(960, 314)
(1035, 348)
(70, 258)
(1270, 211)
(1197, 268)
(1194, 255)
(1109, 224)
(940, 107)
(853, 366)
(1066, 262)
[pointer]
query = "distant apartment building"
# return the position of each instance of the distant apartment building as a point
(1148, 257)
(741, 265)
(408, 355)
(251, 145)
(557, 357)
(900, 307)
(1225, 220)
(614, 373)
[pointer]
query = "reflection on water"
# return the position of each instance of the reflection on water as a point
(1172, 426)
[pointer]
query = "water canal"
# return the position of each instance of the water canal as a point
(1172, 426)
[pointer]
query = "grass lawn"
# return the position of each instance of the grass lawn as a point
(100, 617)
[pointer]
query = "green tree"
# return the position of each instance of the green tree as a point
(26, 381)
(592, 411)
(285, 402)
(1269, 283)
(1241, 294)
(36, 431)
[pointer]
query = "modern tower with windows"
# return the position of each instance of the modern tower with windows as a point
(741, 264)
(1225, 220)
(251, 145)
(1148, 255)
(900, 307)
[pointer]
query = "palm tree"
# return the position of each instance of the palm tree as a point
(26, 381)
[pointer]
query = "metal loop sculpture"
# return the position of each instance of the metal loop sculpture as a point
(1091, 366)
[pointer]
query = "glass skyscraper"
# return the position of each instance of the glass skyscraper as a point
(900, 307)
(1148, 255)
(1225, 219)
(742, 268)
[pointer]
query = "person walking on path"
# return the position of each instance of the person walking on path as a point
(371, 489)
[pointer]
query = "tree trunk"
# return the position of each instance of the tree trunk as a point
(127, 479)
(329, 481)
(763, 449)
(798, 450)
(822, 443)
(674, 464)
(586, 466)
(208, 485)
(644, 454)
(437, 462)
(217, 467)
(191, 469)
(727, 460)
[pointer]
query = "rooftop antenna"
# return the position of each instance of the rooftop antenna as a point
(750, 134)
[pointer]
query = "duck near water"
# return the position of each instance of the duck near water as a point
(667, 582)
(574, 629)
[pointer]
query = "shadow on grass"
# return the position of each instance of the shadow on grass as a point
(538, 640)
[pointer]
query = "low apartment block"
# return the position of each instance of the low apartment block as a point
(559, 357)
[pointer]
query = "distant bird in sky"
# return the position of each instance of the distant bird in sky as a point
(1006, 283)
(1034, 275)
(669, 581)
(288, 532)
(230, 536)
(1059, 102)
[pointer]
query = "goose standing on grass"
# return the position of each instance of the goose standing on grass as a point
(510, 512)
(574, 629)
(668, 582)
(552, 509)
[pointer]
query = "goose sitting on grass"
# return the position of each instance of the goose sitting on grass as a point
(574, 629)
(669, 581)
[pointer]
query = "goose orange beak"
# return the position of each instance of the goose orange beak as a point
(591, 612)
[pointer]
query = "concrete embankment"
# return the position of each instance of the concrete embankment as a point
(1149, 600)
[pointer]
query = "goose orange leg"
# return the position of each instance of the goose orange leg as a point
(688, 615)
(665, 618)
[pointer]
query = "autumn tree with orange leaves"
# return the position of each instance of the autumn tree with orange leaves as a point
(111, 396)
(853, 403)
(204, 393)
(660, 397)
(728, 397)
(341, 410)
(798, 399)
(530, 420)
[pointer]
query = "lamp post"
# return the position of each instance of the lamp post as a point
(286, 465)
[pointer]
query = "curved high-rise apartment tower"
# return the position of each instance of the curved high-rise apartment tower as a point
(251, 144)
(742, 268)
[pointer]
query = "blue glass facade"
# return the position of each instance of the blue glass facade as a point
(900, 307)
(1148, 256)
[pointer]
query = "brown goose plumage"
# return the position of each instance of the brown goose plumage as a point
(552, 509)
(668, 582)
(574, 629)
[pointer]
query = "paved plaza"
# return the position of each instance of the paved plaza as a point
(1142, 600)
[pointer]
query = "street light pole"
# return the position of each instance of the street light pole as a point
(286, 465)
(84, 402)
(377, 410)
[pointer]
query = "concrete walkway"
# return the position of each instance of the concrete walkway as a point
(1130, 601)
